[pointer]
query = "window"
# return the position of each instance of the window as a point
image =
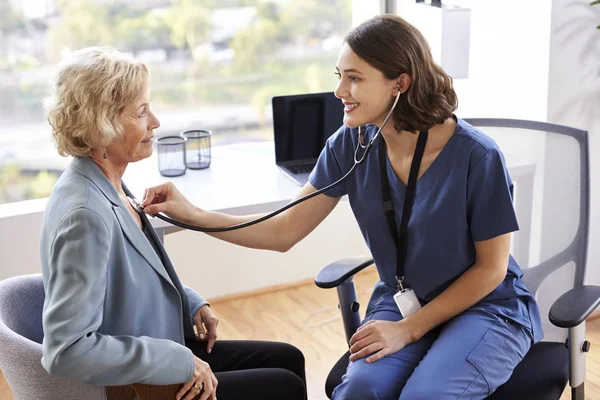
(215, 65)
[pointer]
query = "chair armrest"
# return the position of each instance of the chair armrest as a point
(337, 272)
(573, 307)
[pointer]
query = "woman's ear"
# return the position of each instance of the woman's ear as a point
(402, 83)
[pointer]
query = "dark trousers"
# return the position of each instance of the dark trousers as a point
(249, 369)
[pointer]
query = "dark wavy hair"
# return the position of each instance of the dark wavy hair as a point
(393, 46)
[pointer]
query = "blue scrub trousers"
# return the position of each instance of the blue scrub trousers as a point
(469, 357)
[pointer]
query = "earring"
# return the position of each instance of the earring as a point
(105, 156)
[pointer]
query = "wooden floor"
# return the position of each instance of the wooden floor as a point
(307, 317)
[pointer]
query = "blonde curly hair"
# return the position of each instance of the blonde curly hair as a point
(91, 89)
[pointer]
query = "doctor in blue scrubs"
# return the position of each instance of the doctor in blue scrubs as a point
(450, 250)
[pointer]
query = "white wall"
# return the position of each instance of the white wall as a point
(508, 61)
(574, 94)
(508, 69)
(20, 245)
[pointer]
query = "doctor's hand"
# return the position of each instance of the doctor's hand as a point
(206, 324)
(379, 339)
(166, 198)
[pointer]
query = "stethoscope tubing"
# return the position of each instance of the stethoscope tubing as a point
(357, 161)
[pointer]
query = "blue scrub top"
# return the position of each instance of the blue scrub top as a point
(465, 196)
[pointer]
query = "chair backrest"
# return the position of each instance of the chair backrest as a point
(21, 334)
(23, 297)
(549, 166)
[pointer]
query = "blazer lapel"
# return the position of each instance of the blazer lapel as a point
(88, 168)
(139, 241)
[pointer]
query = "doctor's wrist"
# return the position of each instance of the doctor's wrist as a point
(411, 326)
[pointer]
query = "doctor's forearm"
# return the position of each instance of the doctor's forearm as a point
(476, 283)
(279, 233)
(265, 235)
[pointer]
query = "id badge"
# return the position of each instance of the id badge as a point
(407, 302)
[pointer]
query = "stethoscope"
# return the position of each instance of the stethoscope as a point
(358, 159)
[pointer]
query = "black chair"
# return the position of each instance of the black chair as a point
(549, 165)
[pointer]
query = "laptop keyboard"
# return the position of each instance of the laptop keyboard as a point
(301, 168)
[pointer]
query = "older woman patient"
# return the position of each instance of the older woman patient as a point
(115, 311)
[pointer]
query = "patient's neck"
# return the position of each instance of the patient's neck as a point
(112, 169)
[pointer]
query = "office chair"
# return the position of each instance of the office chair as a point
(549, 166)
(21, 334)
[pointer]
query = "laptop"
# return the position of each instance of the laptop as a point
(302, 124)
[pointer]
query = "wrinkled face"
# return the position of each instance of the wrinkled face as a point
(138, 124)
(366, 93)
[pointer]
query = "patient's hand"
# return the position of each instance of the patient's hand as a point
(203, 383)
(379, 338)
(206, 323)
(167, 199)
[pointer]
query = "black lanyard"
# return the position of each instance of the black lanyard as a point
(400, 236)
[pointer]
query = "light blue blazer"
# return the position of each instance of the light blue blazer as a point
(113, 313)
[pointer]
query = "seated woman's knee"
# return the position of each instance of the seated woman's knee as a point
(287, 385)
(292, 353)
(363, 386)
(289, 357)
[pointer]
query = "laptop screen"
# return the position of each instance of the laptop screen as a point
(303, 123)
